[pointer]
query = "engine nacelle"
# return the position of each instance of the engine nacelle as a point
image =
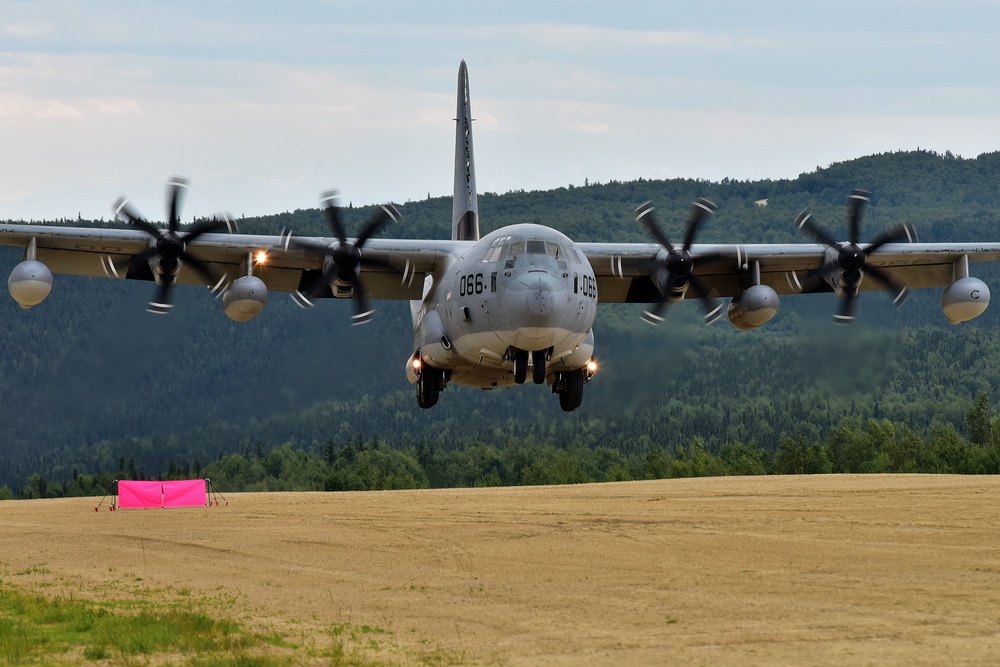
(433, 343)
(965, 299)
(753, 307)
(29, 283)
(245, 298)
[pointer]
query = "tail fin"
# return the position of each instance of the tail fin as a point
(465, 207)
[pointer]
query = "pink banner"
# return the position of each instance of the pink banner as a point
(175, 493)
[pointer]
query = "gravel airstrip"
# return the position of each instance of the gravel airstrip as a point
(824, 570)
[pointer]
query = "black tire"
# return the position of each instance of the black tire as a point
(538, 371)
(520, 366)
(428, 388)
(571, 397)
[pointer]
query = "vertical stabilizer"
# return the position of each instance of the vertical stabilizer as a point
(465, 207)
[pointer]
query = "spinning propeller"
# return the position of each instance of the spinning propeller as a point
(679, 264)
(851, 259)
(341, 260)
(170, 247)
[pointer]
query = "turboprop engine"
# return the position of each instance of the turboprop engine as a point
(29, 283)
(753, 307)
(245, 298)
(965, 299)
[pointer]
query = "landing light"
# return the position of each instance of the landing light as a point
(260, 258)
(591, 366)
(416, 363)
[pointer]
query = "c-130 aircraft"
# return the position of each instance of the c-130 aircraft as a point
(491, 311)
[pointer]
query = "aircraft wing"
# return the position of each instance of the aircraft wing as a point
(623, 269)
(388, 266)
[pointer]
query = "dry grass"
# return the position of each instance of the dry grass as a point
(727, 571)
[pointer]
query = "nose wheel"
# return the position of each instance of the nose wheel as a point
(520, 360)
(538, 360)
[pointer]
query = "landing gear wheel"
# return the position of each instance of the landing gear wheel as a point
(571, 395)
(520, 366)
(538, 360)
(428, 387)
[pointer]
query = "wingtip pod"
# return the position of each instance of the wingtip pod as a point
(965, 299)
(30, 283)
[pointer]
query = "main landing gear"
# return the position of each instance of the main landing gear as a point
(429, 386)
(569, 387)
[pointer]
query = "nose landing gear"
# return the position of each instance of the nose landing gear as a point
(539, 358)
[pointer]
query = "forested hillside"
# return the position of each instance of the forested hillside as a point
(89, 381)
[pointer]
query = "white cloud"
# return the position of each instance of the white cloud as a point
(264, 105)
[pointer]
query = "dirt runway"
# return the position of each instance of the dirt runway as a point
(824, 570)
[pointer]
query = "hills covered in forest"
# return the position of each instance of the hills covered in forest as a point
(88, 379)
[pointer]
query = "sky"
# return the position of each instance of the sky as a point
(265, 104)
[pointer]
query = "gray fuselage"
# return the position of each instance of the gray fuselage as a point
(524, 287)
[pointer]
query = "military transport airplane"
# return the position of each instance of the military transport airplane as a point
(520, 302)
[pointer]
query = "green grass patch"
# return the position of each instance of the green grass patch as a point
(161, 629)
(39, 630)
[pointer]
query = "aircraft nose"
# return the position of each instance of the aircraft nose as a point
(532, 294)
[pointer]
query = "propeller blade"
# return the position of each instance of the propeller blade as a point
(332, 211)
(381, 216)
(162, 302)
(804, 222)
(900, 291)
(701, 208)
(214, 280)
(362, 313)
(847, 306)
(713, 307)
(644, 214)
(891, 236)
(855, 202)
(205, 227)
(814, 278)
(176, 186)
(125, 212)
(657, 315)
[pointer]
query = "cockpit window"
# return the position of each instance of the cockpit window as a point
(536, 247)
(496, 249)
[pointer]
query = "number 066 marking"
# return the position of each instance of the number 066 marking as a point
(471, 284)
